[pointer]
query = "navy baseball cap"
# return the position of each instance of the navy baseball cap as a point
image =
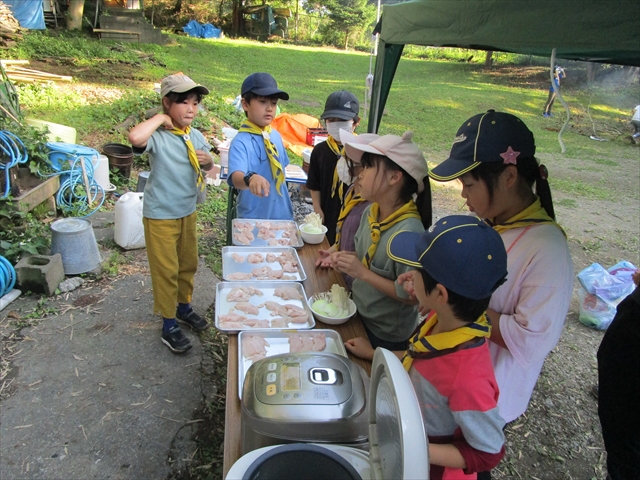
(461, 252)
(262, 84)
(341, 104)
(487, 137)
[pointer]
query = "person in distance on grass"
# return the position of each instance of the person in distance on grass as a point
(619, 388)
(327, 185)
(178, 154)
(257, 157)
(459, 262)
(558, 74)
(493, 157)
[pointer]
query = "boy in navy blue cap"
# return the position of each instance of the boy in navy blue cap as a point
(460, 261)
(257, 157)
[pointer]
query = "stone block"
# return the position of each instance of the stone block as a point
(40, 273)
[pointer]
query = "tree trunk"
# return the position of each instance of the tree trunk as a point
(488, 60)
(346, 40)
(76, 10)
(591, 72)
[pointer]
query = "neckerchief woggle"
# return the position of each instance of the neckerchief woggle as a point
(408, 210)
(350, 201)
(272, 152)
(421, 342)
(534, 214)
(339, 151)
(193, 158)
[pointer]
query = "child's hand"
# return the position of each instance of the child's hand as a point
(324, 259)
(636, 277)
(259, 186)
(360, 347)
(406, 280)
(166, 121)
(204, 159)
(349, 263)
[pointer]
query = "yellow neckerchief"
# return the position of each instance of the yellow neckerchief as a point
(272, 152)
(422, 342)
(193, 158)
(350, 201)
(534, 214)
(408, 210)
(339, 151)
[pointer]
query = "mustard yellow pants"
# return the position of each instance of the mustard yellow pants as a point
(172, 250)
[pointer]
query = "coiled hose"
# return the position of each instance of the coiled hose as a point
(14, 153)
(7, 276)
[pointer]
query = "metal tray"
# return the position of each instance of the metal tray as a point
(268, 288)
(230, 266)
(296, 242)
(279, 343)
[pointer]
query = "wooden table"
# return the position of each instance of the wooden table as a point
(318, 280)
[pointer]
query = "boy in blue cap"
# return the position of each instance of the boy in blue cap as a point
(257, 157)
(460, 261)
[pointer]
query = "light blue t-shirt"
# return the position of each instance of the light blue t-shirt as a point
(171, 190)
(247, 154)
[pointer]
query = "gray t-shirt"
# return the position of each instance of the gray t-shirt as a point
(386, 317)
(171, 190)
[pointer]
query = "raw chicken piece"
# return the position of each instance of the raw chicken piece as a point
(231, 325)
(253, 291)
(237, 257)
(284, 242)
(246, 308)
(242, 238)
(239, 276)
(280, 322)
(243, 226)
(286, 257)
(271, 258)
(297, 314)
(267, 225)
(288, 277)
(275, 274)
(319, 342)
(307, 343)
(272, 242)
(295, 343)
(265, 233)
(231, 321)
(256, 323)
(249, 235)
(289, 267)
(261, 271)
(287, 293)
(255, 258)
(254, 347)
(238, 295)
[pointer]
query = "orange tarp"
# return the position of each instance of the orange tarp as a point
(293, 129)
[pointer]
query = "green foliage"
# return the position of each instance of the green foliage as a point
(34, 141)
(112, 265)
(349, 17)
(21, 233)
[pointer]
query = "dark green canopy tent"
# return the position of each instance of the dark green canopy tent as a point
(605, 31)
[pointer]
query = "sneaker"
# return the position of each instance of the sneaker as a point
(195, 321)
(175, 340)
(545, 114)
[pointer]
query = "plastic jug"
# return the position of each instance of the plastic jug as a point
(129, 230)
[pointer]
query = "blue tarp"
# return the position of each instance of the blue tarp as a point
(195, 29)
(28, 13)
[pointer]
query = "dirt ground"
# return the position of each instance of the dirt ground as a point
(559, 436)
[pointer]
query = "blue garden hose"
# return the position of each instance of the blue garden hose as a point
(7, 276)
(14, 150)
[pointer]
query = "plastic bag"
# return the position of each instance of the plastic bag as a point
(602, 290)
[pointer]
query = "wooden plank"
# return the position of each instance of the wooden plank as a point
(14, 62)
(318, 280)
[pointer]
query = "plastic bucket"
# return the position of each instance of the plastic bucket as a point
(74, 240)
(101, 174)
(61, 152)
(128, 228)
(120, 157)
(142, 181)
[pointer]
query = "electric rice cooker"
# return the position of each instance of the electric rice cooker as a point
(306, 397)
(398, 447)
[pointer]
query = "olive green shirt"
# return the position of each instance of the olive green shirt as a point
(386, 317)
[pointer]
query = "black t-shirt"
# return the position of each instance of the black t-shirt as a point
(321, 167)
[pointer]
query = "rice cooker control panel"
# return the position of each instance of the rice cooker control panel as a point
(295, 380)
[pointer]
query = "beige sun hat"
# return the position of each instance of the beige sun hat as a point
(180, 83)
(400, 150)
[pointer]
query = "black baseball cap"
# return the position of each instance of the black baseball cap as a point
(461, 252)
(341, 104)
(264, 85)
(487, 137)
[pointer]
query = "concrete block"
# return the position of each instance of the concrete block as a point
(40, 273)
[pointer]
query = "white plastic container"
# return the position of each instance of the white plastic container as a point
(223, 148)
(129, 230)
(101, 173)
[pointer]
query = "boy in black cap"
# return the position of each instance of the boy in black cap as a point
(326, 181)
(257, 157)
(460, 261)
